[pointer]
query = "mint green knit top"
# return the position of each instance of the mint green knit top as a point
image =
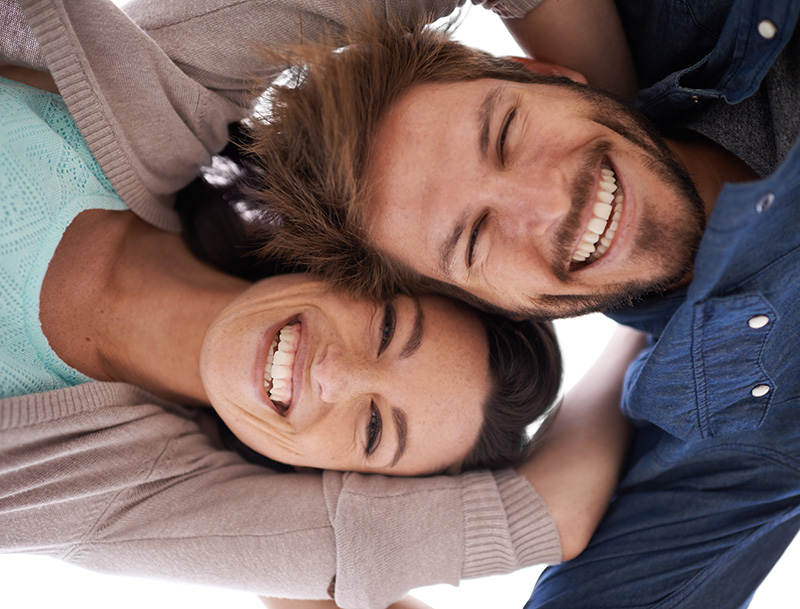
(47, 177)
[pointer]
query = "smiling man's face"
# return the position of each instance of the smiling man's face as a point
(541, 199)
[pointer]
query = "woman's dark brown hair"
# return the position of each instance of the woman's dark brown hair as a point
(525, 368)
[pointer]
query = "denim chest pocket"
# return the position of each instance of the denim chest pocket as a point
(733, 389)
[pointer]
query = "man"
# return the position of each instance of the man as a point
(464, 174)
(714, 475)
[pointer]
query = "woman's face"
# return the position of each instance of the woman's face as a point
(312, 377)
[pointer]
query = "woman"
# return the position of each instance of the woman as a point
(300, 373)
(303, 374)
(235, 522)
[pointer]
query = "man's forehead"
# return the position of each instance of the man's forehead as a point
(432, 135)
(426, 119)
(430, 95)
(411, 148)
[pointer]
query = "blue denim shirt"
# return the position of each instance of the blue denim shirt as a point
(711, 494)
(696, 382)
(736, 327)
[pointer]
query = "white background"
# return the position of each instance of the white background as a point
(29, 582)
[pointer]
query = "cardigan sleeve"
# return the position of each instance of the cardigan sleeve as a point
(153, 86)
(154, 90)
(18, 44)
(106, 477)
(395, 534)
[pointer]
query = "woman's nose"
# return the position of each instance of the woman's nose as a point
(334, 378)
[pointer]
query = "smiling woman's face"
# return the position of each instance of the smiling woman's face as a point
(312, 377)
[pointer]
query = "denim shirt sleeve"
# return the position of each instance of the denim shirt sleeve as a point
(691, 51)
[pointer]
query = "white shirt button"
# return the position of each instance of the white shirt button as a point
(759, 390)
(765, 202)
(758, 321)
(767, 29)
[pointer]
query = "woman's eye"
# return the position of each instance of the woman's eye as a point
(501, 140)
(374, 428)
(387, 328)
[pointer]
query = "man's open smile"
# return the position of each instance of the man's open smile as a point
(599, 232)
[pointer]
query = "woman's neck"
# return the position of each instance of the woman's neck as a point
(123, 301)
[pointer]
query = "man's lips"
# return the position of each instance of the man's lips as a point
(603, 223)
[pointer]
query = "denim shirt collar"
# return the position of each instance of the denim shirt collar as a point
(738, 56)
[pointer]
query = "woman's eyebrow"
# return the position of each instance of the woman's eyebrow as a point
(415, 339)
(401, 426)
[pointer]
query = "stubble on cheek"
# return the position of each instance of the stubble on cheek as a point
(666, 242)
(662, 254)
(673, 240)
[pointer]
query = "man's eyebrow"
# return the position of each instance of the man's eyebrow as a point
(415, 339)
(401, 425)
(485, 119)
(449, 246)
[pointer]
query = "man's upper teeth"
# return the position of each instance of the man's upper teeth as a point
(605, 219)
(280, 362)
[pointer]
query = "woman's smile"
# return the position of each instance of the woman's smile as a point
(282, 371)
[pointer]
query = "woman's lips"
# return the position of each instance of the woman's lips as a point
(279, 366)
(270, 346)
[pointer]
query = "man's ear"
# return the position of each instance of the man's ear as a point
(550, 69)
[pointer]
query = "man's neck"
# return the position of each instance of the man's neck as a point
(709, 165)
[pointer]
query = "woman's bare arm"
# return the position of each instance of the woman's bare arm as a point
(33, 78)
(576, 468)
(584, 35)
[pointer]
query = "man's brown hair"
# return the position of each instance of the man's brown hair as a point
(313, 142)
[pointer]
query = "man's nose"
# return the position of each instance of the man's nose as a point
(536, 201)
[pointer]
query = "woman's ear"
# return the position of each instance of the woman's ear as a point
(550, 69)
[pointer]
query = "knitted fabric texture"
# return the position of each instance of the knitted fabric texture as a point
(47, 177)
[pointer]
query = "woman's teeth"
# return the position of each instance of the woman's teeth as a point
(605, 219)
(279, 366)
